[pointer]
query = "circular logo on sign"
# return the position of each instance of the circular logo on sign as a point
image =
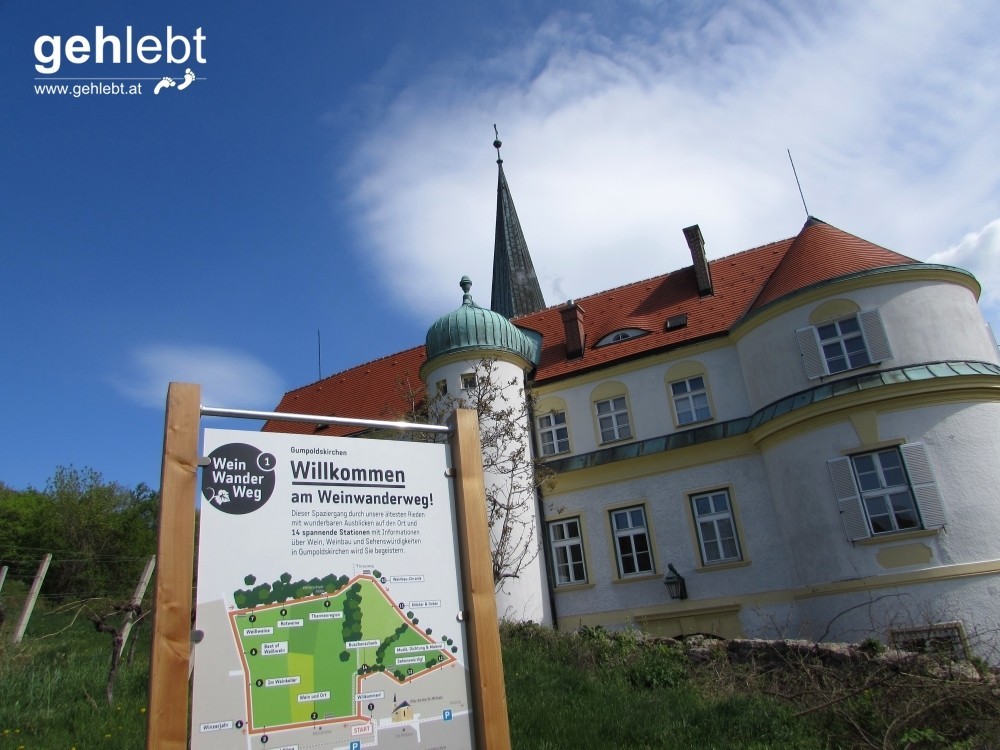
(238, 479)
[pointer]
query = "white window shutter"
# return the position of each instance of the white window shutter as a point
(874, 333)
(924, 484)
(848, 498)
(812, 357)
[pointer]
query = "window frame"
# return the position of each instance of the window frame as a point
(932, 637)
(886, 496)
(622, 334)
(565, 544)
(849, 491)
(468, 381)
(870, 331)
(690, 395)
(714, 517)
(632, 533)
(614, 414)
(552, 429)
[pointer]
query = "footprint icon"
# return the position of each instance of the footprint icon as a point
(188, 79)
(165, 83)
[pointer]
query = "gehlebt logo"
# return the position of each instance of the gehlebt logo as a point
(54, 52)
(239, 478)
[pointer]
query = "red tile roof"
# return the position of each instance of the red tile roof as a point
(648, 304)
(742, 283)
(822, 252)
(380, 389)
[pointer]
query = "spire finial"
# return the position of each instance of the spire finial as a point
(466, 284)
(497, 144)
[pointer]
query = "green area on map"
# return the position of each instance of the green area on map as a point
(307, 659)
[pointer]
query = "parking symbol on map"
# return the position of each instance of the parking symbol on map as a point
(355, 744)
(446, 715)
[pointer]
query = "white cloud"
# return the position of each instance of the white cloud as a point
(979, 252)
(227, 378)
(615, 140)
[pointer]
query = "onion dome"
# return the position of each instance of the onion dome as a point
(475, 328)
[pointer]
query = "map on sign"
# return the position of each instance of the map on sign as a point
(328, 600)
(307, 660)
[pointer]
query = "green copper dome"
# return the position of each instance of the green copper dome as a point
(472, 327)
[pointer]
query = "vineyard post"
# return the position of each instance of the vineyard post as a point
(29, 604)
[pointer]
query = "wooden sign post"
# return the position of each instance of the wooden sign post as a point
(489, 695)
(167, 725)
(168, 721)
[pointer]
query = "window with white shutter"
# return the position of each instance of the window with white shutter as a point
(843, 344)
(886, 491)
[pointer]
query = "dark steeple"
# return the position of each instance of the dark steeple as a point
(515, 286)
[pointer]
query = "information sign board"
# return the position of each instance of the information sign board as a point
(328, 596)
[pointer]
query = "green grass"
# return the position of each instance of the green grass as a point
(598, 691)
(563, 692)
(53, 688)
(592, 690)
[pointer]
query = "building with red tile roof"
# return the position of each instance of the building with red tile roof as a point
(804, 432)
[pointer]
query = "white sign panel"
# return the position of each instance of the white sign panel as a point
(327, 596)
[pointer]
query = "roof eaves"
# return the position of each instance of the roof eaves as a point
(626, 358)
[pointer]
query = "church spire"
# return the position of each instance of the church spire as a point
(515, 286)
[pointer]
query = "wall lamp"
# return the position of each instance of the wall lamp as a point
(674, 582)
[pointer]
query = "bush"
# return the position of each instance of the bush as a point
(657, 666)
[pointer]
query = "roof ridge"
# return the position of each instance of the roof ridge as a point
(655, 278)
(752, 249)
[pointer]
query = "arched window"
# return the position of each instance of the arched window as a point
(621, 335)
(611, 412)
(690, 399)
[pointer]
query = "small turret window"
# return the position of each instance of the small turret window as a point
(621, 335)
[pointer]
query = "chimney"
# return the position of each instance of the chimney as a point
(696, 243)
(572, 318)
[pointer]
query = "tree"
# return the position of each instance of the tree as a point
(99, 533)
(513, 476)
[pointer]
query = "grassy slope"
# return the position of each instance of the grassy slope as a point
(593, 690)
(52, 696)
(601, 692)
(52, 688)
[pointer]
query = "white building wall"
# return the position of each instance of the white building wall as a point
(964, 449)
(649, 397)
(964, 455)
(932, 321)
(852, 617)
(926, 321)
(525, 597)
(665, 496)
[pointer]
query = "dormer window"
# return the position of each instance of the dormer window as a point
(621, 335)
(676, 321)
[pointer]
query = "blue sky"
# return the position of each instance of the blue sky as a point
(330, 169)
